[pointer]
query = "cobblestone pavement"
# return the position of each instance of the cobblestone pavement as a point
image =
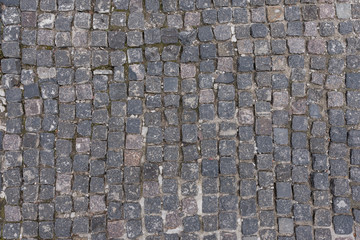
(180, 119)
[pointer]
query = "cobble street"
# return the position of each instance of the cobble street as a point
(180, 119)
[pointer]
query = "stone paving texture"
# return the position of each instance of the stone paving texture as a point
(180, 119)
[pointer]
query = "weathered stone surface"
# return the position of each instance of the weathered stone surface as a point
(153, 116)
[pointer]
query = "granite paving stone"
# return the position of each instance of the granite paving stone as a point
(180, 119)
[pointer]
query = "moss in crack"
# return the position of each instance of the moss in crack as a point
(126, 71)
(120, 10)
(105, 67)
(2, 208)
(2, 213)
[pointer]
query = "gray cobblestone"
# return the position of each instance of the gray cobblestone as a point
(131, 111)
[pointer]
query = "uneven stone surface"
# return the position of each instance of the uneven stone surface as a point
(180, 119)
